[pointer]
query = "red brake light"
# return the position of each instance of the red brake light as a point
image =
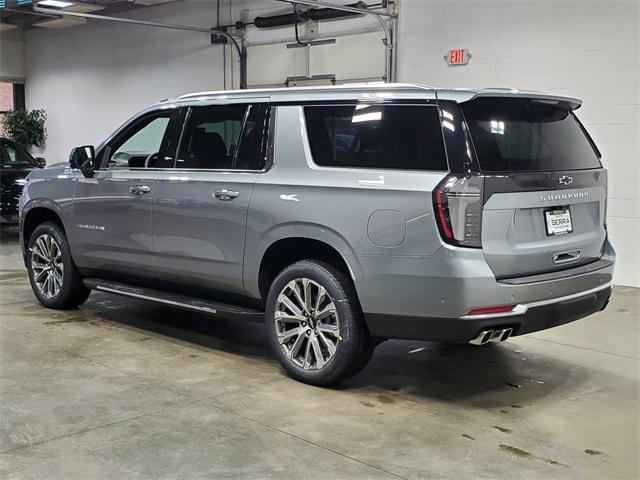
(490, 310)
(442, 215)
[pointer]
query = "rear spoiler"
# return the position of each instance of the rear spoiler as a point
(462, 95)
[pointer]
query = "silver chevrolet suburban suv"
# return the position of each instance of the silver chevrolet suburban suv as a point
(341, 216)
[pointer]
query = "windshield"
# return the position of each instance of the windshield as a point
(521, 135)
(13, 155)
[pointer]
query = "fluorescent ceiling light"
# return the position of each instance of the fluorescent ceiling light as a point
(497, 127)
(367, 117)
(55, 3)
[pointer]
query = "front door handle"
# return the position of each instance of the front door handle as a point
(140, 189)
(225, 194)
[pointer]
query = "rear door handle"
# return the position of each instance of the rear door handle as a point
(225, 194)
(140, 189)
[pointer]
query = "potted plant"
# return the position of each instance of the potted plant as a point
(26, 127)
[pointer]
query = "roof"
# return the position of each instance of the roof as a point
(369, 91)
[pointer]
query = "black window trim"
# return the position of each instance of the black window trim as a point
(396, 103)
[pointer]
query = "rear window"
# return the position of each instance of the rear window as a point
(376, 136)
(523, 135)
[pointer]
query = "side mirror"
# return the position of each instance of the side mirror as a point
(82, 158)
(42, 162)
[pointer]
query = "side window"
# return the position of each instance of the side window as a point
(140, 145)
(211, 137)
(12, 156)
(402, 137)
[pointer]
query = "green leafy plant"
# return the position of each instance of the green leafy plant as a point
(26, 127)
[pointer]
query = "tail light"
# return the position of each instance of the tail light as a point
(457, 202)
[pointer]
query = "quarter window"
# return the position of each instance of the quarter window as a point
(376, 136)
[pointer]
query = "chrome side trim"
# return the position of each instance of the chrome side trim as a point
(156, 299)
(522, 308)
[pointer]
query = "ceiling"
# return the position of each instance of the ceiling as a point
(22, 16)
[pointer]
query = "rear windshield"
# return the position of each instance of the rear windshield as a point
(523, 135)
(376, 136)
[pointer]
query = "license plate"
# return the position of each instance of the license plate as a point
(558, 221)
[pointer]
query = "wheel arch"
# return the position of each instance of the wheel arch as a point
(290, 244)
(37, 213)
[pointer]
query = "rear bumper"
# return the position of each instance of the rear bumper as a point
(401, 301)
(537, 317)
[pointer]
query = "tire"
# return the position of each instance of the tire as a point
(56, 284)
(364, 358)
(298, 337)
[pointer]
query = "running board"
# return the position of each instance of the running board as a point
(174, 299)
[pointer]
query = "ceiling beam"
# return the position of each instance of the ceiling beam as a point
(344, 8)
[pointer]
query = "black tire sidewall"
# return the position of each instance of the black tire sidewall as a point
(69, 278)
(352, 332)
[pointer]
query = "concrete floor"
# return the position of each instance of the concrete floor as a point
(132, 390)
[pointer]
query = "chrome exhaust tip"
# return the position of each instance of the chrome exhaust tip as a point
(493, 336)
(483, 337)
(500, 335)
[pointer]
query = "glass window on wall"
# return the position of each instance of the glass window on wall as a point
(11, 98)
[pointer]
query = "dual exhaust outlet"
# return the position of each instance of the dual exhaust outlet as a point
(493, 336)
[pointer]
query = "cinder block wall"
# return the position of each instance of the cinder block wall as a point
(587, 49)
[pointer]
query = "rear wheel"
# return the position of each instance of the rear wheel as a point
(315, 323)
(54, 279)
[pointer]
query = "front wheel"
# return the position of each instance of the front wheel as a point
(315, 323)
(54, 279)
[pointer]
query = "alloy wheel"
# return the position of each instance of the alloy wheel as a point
(47, 266)
(307, 324)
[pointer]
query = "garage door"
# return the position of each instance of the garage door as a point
(358, 57)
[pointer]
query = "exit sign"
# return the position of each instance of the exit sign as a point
(458, 56)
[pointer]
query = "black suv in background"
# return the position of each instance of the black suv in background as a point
(15, 164)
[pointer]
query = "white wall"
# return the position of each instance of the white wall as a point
(12, 55)
(586, 49)
(91, 78)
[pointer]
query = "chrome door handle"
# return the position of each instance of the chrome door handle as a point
(140, 189)
(225, 194)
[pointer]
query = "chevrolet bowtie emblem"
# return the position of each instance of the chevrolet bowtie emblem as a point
(565, 180)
